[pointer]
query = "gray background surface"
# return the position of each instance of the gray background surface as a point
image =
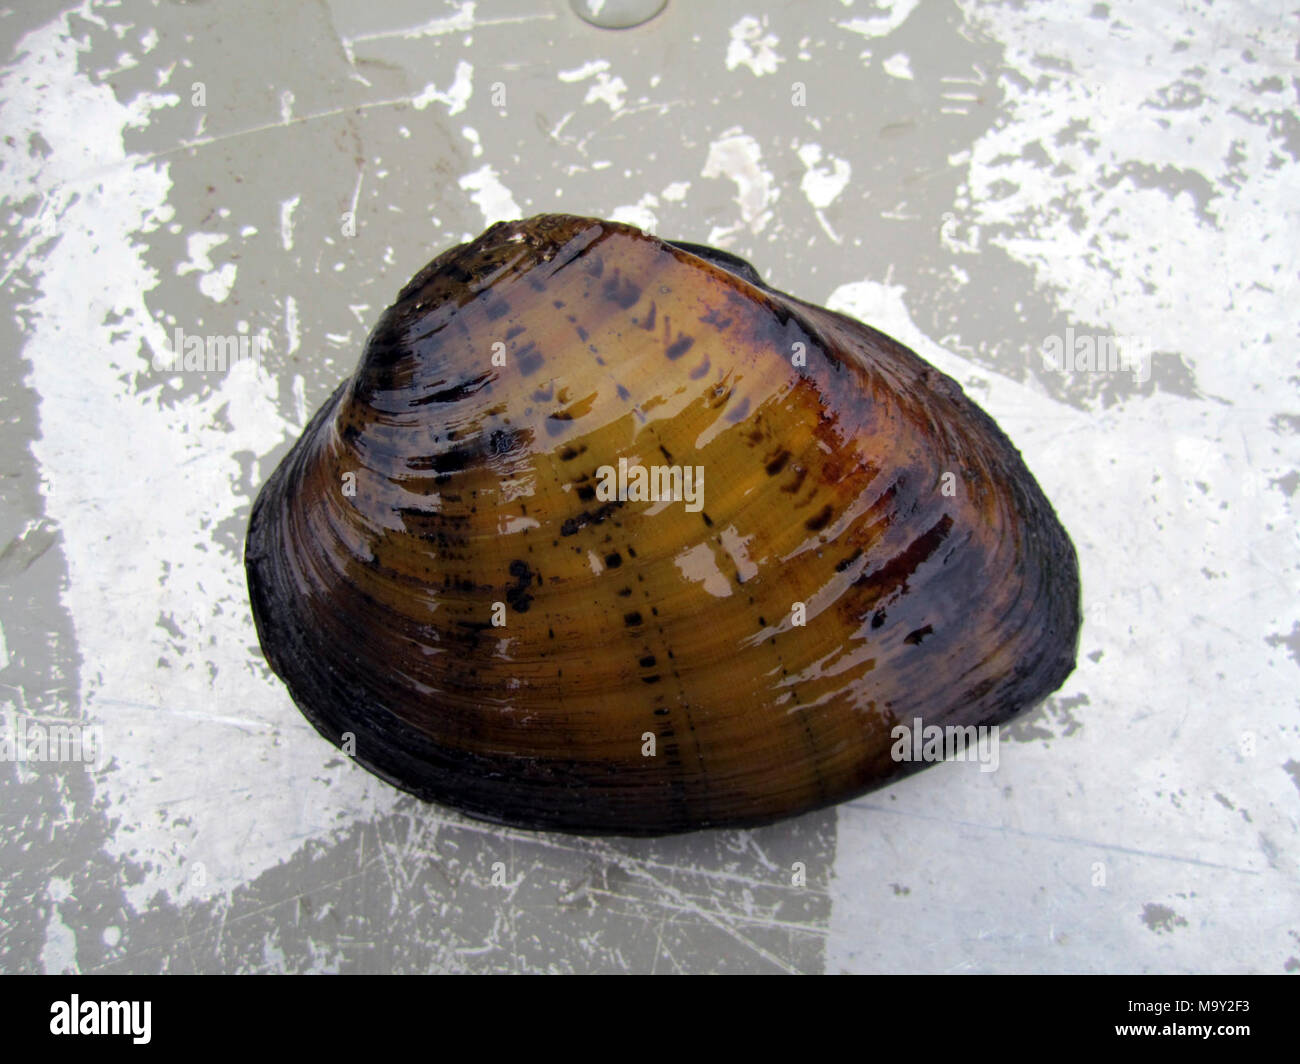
(972, 178)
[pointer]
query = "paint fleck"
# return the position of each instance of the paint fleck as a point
(753, 46)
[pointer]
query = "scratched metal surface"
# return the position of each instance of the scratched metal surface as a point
(976, 179)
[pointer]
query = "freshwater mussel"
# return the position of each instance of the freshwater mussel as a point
(604, 535)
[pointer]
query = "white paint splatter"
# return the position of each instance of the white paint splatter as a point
(59, 955)
(287, 207)
(641, 214)
(753, 46)
(737, 156)
(587, 70)
(291, 329)
(895, 13)
(237, 787)
(1120, 159)
(491, 197)
(822, 184)
(898, 66)
(298, 390)
(607, 90)
(217, 284)
(199, 249)
(456, 97)
(213, 283)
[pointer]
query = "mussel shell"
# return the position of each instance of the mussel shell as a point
(475, 500)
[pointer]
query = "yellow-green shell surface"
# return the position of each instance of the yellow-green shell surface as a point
(501, 636)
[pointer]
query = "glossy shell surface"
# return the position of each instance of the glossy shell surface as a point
(436, 569)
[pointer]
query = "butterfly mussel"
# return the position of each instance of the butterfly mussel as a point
(604, 535)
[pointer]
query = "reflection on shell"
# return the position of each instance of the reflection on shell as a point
(438, 567)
